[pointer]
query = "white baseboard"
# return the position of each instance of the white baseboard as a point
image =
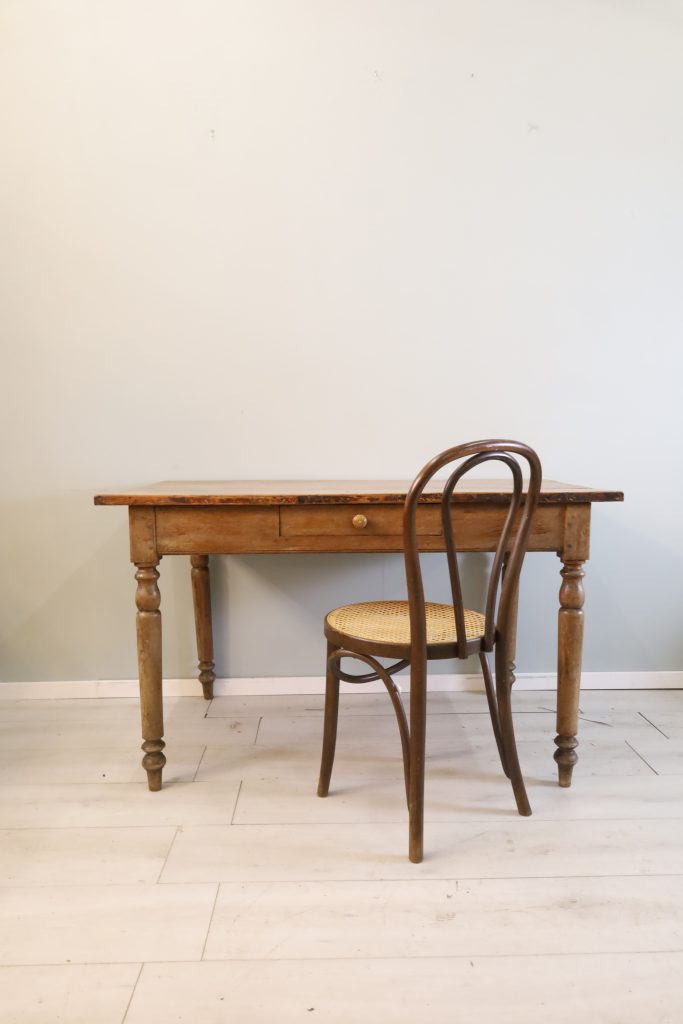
(315, 685)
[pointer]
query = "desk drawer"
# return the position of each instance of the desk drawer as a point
(215, 530)
(354, 521)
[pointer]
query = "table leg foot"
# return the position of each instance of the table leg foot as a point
(566, 757)
(207, 678)
(153, 762)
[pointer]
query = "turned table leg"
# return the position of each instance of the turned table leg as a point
(148, 622)
(201, 594)
(569, 649)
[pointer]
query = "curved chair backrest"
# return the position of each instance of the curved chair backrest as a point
(498, 612)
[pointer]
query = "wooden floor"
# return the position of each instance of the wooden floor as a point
(236, 895)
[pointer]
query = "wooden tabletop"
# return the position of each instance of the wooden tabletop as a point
(336, 492)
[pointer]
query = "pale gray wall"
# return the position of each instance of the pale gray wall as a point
(236, 237)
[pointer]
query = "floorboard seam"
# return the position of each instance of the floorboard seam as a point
(237, 799)
(641, 757)
(135, 985)
(199, 764)
(168, 852)
(213, 911)
(653, 725)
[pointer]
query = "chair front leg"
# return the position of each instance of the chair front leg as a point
(504, 680)
(418, 735)
(332, 706)
(330, 727)
(493, 709)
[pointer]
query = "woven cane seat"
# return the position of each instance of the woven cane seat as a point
(388, 622)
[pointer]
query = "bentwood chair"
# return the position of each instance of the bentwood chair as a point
(416, 631)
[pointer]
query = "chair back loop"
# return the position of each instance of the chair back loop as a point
(508, 557)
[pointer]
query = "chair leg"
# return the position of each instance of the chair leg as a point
(404, 732)
(418, 730)
(330, 728)
(504, 698)
(493, 709)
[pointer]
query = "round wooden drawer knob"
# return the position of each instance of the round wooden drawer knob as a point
(360, 521)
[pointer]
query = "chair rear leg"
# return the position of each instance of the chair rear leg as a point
(504, 695)
(330, 727)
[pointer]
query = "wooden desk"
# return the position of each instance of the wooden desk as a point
(200, 518)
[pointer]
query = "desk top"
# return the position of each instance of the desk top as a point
(336, 492)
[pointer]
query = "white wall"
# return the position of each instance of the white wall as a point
(315, 238)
